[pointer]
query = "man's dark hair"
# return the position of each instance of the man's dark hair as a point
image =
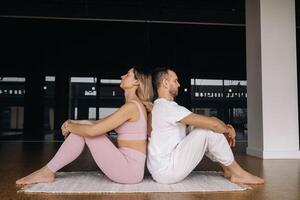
(158, 75)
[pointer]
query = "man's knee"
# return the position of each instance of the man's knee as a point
(200, 131)
(204, 134)
(222, 137)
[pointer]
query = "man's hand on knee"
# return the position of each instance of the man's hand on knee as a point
(230, 135)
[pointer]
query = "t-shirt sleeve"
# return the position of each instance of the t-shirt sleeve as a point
(177, 113)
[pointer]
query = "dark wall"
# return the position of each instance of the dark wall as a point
(217, 11)
(110, 48)
(74, 41)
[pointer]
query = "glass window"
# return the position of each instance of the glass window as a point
(82, 99)
(12, 91)
(225, 99)
(49, 88)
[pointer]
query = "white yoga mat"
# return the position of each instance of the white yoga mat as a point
(95, 182)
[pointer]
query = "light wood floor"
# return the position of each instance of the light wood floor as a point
(20, 158)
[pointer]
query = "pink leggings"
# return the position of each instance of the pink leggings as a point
(123, 165)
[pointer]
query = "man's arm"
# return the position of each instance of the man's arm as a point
(211, 123)
(200, 121)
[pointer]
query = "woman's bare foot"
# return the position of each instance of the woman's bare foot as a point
(246, 178)
(43, 175)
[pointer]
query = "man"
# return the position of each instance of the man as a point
(172, 155)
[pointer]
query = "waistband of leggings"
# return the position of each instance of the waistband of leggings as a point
(131, 151)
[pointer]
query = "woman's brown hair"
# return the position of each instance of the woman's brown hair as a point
(145, 89)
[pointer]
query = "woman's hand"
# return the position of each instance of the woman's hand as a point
(64, 129)
(230, 135)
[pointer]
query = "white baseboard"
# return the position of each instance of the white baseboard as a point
(254, 152)
(273, 154)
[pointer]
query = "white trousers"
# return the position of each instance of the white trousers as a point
(190, 151)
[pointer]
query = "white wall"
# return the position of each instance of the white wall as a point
(272, 79)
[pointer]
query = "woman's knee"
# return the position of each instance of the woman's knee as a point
(75, 137)
(75, 142)
(97, 139)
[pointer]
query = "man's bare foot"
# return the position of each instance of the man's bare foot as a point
(43, 175)
(246, 178)
(239, 175)
(227, 174)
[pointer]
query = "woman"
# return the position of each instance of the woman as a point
(122, 164)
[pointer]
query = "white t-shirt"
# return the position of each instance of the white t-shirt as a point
(167, 132)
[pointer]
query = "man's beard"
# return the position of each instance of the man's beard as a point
(173, 92)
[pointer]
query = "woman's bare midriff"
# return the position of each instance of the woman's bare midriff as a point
(139, 145)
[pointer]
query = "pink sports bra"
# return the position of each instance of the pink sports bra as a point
(136, 130)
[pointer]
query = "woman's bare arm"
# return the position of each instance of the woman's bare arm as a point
(126, 112)
(84, 121)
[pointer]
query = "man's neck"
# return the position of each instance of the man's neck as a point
(165, 94)
(167, 97)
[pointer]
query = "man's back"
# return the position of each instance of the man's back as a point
(167, 132)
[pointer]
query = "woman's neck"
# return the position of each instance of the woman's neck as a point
(130, 95)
